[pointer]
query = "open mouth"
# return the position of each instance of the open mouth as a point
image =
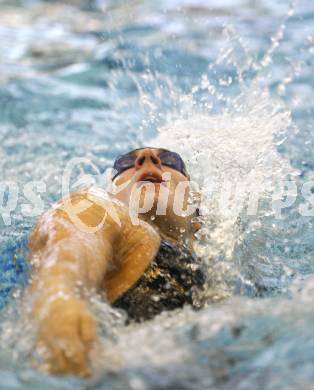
(151, 177)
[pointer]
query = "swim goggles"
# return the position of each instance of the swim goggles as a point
(168, 158)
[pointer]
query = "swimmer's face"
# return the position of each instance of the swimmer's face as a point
(156, 183)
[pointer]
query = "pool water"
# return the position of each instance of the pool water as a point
(228, 85)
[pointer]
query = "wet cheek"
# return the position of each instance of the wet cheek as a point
(173, 186)
(123, 179)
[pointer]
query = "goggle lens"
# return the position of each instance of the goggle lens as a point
(168, 158)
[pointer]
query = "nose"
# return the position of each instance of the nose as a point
(147, 157)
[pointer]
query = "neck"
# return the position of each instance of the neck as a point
(177, 229)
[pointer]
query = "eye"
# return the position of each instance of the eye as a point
(123, 163)
(171, 159)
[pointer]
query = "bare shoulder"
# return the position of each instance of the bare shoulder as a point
(135, 250)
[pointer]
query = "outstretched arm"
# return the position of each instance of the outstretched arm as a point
(67, 259)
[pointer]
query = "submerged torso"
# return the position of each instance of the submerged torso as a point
(170, 282)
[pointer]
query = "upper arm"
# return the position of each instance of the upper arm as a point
(58, 248)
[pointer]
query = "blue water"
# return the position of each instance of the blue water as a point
(95, 78)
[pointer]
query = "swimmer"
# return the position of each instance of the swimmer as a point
(90, 241)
